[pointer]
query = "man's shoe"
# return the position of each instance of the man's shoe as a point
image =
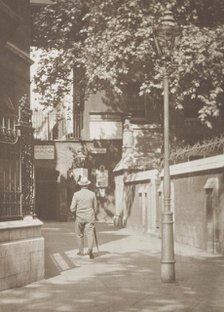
(91, 256)
(79, 253)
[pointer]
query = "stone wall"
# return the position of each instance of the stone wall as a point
(21, 253)
(197, 200)
(137, 201)
(198, 203)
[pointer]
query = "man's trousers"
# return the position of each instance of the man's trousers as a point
(85, 228)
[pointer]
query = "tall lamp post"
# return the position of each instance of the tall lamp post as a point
(165, 35)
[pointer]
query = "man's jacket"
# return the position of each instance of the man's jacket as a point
(84, 205)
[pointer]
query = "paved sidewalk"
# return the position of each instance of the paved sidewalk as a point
(124, 277)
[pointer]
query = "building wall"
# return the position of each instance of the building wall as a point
(120, 203)
(98, 106)
(55, 177)
(21, 39)
(21, 242)
(14, 56)
(137, 201)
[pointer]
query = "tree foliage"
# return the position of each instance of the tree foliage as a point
(112, 42)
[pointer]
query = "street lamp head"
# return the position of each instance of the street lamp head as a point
(81, 157)
(165, 35)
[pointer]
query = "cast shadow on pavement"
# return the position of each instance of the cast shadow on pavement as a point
(61, 246)
(124, 282)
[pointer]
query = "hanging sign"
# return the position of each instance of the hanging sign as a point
(78, 173)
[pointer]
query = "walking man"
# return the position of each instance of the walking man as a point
(84, 206)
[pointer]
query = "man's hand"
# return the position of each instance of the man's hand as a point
(74, 215)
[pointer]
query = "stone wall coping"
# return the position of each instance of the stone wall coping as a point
(146, 126)
(204, 164)
(20, 224)
(142, 176)
(41, 2)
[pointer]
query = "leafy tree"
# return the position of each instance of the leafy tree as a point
(111, 44)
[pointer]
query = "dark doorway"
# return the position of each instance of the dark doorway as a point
(46, 194)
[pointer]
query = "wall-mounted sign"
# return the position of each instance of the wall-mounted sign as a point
(78, 173)
(98, 150)
(44, 152)
(102, 177)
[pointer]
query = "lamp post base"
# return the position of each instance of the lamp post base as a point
(167, 256)
(168, 272)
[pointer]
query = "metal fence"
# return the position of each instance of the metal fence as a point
(16, 165)
(210, 147)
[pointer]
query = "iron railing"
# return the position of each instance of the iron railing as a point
(16, 166)
(210, 147)
(11, 205)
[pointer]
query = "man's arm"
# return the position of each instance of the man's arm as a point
(73, 206)
(95, 203)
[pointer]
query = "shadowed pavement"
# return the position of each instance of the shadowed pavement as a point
(124, 277)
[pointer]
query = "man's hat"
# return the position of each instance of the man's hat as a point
(84, 181)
